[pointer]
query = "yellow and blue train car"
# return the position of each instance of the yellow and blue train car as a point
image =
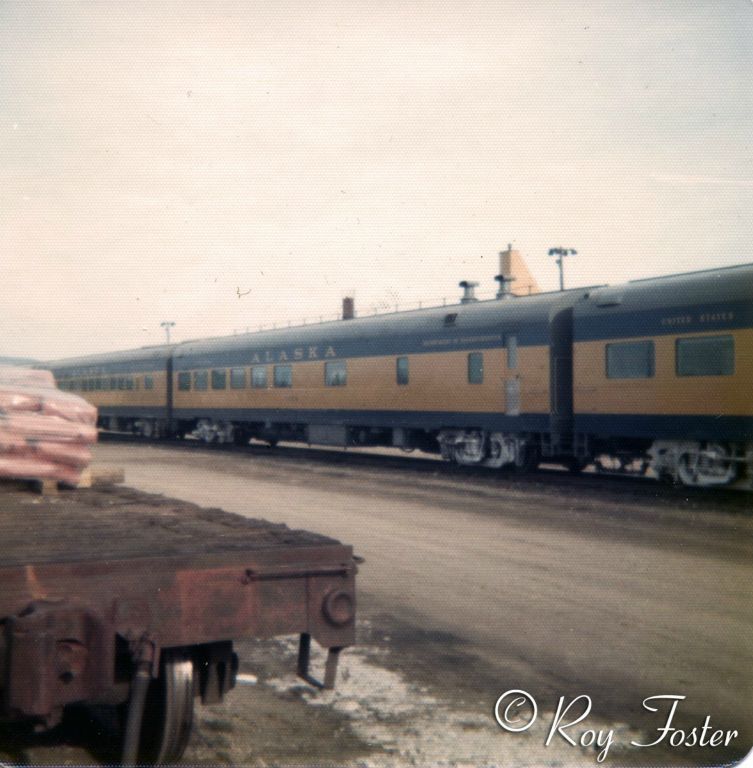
(131, 389)
(664, 367)
(463, 379)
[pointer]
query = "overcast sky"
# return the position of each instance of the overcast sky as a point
(158, 159)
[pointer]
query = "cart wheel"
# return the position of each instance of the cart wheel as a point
(168, 713)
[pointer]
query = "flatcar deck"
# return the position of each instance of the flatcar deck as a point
(122, 524)
(120, 596)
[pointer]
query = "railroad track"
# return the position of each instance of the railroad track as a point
(547, 479)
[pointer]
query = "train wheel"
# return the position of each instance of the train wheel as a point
(710, 466)
(206, 431)
(168, 713)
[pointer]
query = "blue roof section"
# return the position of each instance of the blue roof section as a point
(127, 361)
(695, 302)
(475, 326)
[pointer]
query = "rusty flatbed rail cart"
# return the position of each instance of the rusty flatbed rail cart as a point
(117, 597)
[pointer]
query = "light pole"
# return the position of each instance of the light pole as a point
(560, 253)
(167, 325)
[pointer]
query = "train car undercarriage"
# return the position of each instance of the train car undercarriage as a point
(687, 462)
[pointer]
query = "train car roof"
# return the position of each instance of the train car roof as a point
(141, 354)
(455, 318)
(713, 300)
(688, 288)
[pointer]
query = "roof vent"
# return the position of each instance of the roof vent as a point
(505, 286)
(609, 298)
(469, 291)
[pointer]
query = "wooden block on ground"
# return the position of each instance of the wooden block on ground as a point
(44, 487)
(106, 475)
(93, 477)
(85, 481)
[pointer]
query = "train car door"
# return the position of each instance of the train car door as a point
(561, 372)
(512, 377)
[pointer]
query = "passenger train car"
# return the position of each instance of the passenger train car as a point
(651, 373)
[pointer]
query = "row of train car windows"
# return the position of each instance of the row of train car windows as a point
(335, 375)
(107, 383)
(702, 356)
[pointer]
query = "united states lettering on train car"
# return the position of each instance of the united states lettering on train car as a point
(652, 376)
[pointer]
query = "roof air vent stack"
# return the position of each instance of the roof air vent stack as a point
(469, 291)
(505, 286)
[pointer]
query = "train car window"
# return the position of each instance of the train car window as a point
(201, 380)
(630, 360)
(148, 382)
(706, 356)
(259, 377)
(237, 378)
(113, 383)
(283, 376)
(184, 381)
(402, 370)
(219, 378)
(335, 373)
(476, 368)
(122, 382)
(512, 351)
(129, 382)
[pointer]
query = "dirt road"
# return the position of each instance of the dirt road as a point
(474, 587)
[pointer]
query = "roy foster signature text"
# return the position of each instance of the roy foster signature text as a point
(516, 711)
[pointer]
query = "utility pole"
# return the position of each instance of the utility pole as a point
(167, 325)
(560, 253)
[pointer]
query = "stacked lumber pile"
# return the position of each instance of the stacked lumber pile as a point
(45, 434)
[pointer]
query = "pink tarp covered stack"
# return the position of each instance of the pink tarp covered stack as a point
(44, 433)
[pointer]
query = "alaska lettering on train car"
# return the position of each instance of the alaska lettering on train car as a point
(298, 353)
